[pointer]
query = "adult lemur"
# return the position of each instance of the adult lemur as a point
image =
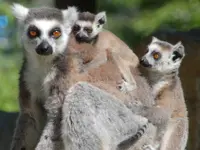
(49, 69)
(163, 61)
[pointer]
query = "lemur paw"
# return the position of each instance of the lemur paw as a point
(126, 86)
(148, 147)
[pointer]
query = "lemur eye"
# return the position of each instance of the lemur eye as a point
(156, 55)
(76, 27)
(33, 32)
(55, 33)
(88, 30)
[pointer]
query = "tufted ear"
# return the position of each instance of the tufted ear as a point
(20, 12)
(101, 18)
(70, 15)
(178, 51)
(154, 39)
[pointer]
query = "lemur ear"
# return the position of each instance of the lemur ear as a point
(70, 15)
(20, 12)
(101, 18)
(178, 51)
(154, 39)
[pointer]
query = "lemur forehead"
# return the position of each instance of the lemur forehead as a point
(86, 16)
(44, 13)
(163, 45)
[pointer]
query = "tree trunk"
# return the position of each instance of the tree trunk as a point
(87, 5)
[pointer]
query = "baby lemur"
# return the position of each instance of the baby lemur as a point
(89, 29)
(49, 69)
(162, 60)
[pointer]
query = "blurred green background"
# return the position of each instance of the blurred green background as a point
(134, 21)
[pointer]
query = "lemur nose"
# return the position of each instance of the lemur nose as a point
(44, 48)
(144, 62)
(80, 38)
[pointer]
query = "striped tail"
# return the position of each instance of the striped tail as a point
(133, 139)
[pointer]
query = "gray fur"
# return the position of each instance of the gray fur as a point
(109, 122)
(43, 90)
(170, 105)
(86, 16)
(44, 12)
(40, 96)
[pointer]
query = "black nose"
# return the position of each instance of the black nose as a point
(144, 62)
(44, 48)
(80, 38)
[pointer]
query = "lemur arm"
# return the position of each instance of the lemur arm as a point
(51, 135)
(27, 129)
(176, 135)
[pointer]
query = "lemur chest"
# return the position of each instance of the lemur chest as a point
(38, 82)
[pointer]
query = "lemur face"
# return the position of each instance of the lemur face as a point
(45, 31)
(162, 56)
(88, 26)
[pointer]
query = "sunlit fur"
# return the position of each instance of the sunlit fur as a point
(165, 64)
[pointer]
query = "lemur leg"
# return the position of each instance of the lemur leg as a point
(28, 129)
(176, 135)
(51, 136)
(95, 120)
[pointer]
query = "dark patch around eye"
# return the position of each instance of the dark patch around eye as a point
(88, 29)
(33, 28)
(176, 55)
(76, 28)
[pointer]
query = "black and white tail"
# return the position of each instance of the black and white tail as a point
(133, 139)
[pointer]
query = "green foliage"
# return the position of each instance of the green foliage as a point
(9, 68)
(181, 15)
(146, 17)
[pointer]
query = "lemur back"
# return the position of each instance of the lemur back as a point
(163, 61)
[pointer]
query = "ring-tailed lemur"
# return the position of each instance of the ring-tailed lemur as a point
(89, 29)
(170, 113)
(49, 69)
(45, 33)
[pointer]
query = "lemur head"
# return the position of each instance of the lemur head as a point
(88, 26)
(45, 31)
(162, 56)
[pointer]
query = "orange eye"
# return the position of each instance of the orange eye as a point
(56, 34)
(156, 56)
(33, 33)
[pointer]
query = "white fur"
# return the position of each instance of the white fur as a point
(19, 11)
(70, 16)
(167, 64)
(40, 70)
(167, 135)
(101, 15)
(45, 26)
(154, 39)
(82, 23)
(158, 86)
